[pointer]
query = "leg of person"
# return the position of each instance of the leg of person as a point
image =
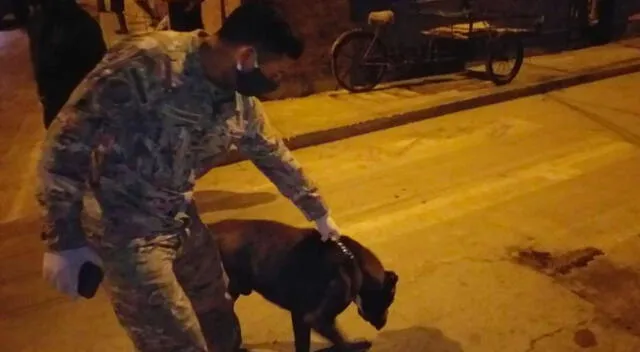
(21, 11)
(182, 18)
(194, 17)
(117, 7)
(57, 92)
(52, 102)
(122, 22)
(146, 7)
(176, 16)
(148, 300)
(199, 270)
(49, 113)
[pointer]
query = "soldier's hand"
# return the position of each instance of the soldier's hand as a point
(328, 228)
(61, 269)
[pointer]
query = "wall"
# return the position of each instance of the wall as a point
(212, 15)
(319, 23)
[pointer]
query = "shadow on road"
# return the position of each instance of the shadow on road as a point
(477, 74)
(283, 346)
(415, 339)
(209, 201)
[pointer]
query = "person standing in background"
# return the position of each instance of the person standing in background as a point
(21, 11)
(118, 8)
(65, 44)
(185, 15)
(146, 7)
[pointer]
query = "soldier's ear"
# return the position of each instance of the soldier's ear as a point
(246, 57)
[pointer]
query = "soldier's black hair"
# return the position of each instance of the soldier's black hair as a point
(259, 24)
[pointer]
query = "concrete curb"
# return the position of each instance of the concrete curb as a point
(501, 94)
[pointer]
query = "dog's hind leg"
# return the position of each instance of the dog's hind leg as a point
(301, 333)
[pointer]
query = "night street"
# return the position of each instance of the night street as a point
(513, 226)
(449, 203)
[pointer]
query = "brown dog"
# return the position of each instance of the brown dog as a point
(314, 280)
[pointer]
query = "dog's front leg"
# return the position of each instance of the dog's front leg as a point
(323, 318)
(329, 331)
(301, 333)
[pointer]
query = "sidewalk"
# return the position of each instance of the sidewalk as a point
(336, 115)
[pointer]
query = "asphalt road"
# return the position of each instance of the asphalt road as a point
(447, 203)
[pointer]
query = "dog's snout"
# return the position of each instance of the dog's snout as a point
(381, 322)
(379, 325)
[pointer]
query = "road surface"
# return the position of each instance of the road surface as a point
(447, 203)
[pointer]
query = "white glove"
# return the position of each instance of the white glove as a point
(327, 228)
(61, 269)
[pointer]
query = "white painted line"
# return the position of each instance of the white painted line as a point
(499, 189)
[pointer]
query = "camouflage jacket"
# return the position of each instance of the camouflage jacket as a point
(140, 130)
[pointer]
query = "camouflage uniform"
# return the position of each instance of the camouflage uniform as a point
(119, 165)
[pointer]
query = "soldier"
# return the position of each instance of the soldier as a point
(120, 163)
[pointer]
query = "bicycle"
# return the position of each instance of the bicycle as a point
(386, 42)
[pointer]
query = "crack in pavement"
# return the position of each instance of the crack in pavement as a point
(460, 260)
(535, 341)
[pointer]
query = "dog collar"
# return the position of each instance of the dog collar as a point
(344, 248)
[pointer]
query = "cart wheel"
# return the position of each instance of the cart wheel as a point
(358, 60)
(504, 60)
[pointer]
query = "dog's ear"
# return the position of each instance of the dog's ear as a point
(390, 278)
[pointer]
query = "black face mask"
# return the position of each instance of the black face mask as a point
(254, 83)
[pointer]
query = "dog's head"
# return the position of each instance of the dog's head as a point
(374, 302)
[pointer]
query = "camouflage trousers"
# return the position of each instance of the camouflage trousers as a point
(168, 292)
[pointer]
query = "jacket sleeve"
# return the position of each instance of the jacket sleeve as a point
(275, 161)
(62, 175)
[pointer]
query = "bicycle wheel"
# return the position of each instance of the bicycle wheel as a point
(358, 60)
(505, 57)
